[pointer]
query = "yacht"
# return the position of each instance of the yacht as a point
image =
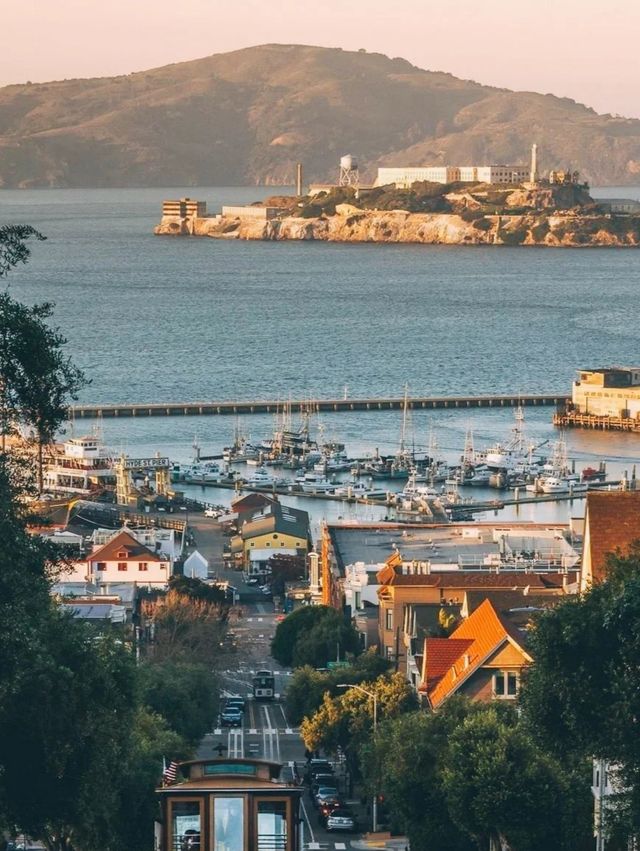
(262, 478)
(79, 466)
(314, 483)
(555, 484)
(360, 490)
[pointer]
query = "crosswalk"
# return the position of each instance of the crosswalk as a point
(246, 671)
(324, 846)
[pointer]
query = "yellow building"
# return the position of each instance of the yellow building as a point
(271, 530)
(609, 392)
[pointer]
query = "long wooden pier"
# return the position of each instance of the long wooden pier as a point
(260, 406)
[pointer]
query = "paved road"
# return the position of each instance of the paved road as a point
(266, 733)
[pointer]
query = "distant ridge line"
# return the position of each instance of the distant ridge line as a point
(261, 406)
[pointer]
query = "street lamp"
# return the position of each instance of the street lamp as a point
(374, 697)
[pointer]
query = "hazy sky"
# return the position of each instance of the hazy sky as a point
(584, 49)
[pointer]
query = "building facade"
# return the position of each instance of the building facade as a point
(403, 177)
(124, 559)
(608, 392)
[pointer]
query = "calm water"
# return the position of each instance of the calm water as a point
(153, 319)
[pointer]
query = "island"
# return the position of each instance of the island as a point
(541, 214)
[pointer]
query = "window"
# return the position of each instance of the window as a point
(272, 826)
(122, 566)
(102, 565)
(185, 826)
(228, 824)
(505, 684)
(388, 651)
(275, 536)
(267, 543)
(388, 619)
(143, 566)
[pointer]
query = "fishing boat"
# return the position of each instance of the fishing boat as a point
(360, 490)
(516, 455)
(262, 478)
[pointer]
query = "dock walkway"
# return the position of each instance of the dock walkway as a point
(260, 406)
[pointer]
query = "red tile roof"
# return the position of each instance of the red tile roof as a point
(474, 641)
(613, 519)
(124, 543)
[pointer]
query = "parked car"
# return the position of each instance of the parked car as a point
(231, 716)
(252, 580)
(317, 766)
(266, 590)
(319, 780)
(340, 819)
(326, 795)
(211, 512)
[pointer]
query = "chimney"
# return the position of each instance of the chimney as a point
(299, 179)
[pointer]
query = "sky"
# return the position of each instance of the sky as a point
(583, 49)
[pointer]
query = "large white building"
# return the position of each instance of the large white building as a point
(608, 392)
(405, 176)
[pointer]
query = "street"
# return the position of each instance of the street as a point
(266, 732)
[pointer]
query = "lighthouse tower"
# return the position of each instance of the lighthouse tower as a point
(533, 177)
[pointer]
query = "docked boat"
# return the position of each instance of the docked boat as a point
(80, 466)
(314, 483)
(360, 491)
(262, 478)
(515, 457)
(554, 484)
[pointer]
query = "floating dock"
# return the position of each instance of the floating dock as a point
(259, 406)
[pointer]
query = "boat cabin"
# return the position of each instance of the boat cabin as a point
(224, 804)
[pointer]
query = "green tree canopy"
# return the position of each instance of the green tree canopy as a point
(313, 635)
(185, 695)
(581, 696)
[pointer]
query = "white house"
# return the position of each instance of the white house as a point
(125, 560)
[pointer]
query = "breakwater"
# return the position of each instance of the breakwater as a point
(259, 406)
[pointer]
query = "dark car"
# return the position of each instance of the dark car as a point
(235, 703)
(319, 780)
(326, 795)
(340, 818)
(231, 717)
(318, 766)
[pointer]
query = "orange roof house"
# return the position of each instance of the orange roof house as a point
(483, 659)
(124, 547)
(612, 524)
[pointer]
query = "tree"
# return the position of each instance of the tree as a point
(307, 686)
(65, 734)
(406, 766)
(313, 635)
(152, 742)
(500, 786)
(346, 721)
(185, 695)
(188, 629)
(581, 696)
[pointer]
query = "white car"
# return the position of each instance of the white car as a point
(210, 512)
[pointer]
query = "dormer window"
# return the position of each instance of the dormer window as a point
(122, 554)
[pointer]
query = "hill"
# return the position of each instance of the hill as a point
(248, 116)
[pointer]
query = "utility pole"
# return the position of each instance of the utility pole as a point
(374, 697)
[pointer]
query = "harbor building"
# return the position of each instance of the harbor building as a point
(608, 392)
(271, 530)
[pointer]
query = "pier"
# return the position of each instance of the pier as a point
(259, 406)
(575, 419)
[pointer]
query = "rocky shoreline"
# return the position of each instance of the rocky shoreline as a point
(351, 224)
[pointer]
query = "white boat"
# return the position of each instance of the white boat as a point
(314, 483)
(360, 490)
(79, 466)
(204, 472)
(414, 492)
(554, 484)
(262, 479)
(515, 456)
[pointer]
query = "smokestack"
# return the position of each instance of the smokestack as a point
(533, 177)
(299, 180)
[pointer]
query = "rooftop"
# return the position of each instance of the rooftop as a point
(613, 523)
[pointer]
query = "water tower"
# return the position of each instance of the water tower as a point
(349, 175)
